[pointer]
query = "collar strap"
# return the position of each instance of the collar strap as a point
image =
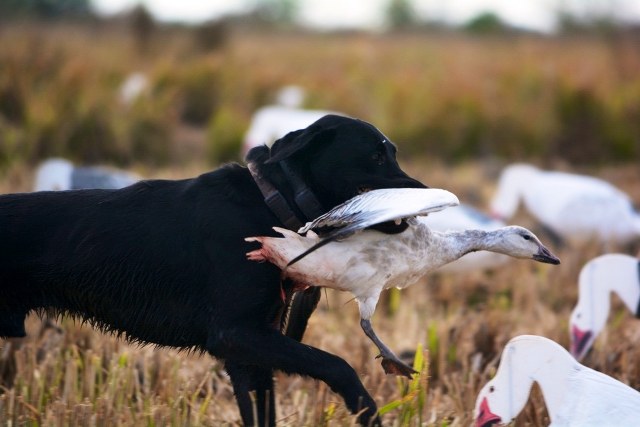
(303, 196)
(275, 200)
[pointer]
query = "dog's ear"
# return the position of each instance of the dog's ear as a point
(296, 141)
(257, 155)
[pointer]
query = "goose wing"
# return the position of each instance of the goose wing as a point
(375, 207)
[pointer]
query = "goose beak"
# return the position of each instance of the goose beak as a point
(486, 418)
(579, 340)
(545, 255)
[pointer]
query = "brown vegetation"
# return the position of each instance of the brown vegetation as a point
(80, 377)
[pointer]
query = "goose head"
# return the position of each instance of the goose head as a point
(519, 242)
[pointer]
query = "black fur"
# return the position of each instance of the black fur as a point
(164, 261)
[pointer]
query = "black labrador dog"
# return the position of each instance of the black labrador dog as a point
(164, 261)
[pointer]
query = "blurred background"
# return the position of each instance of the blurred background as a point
(157, 83)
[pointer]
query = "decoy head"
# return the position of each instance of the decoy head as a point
(603, 275)
(502, 398)
(581, 340)
(484, 416)
(524, 360)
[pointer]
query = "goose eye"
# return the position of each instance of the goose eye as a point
(526, 237)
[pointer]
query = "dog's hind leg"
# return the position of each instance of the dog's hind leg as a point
(268, 349)
(12, 323)
(246, 379)
(303, 304)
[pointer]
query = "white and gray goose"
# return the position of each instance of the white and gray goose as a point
(366, 262)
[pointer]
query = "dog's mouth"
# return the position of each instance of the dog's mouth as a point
(388, 227)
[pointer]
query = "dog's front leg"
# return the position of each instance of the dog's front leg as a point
(246, 379)
(268, 349)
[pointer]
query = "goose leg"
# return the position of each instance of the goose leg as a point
(390, 362)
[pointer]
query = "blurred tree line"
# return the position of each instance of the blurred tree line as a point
(448, 95)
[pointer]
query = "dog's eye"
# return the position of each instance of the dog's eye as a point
(378, 158)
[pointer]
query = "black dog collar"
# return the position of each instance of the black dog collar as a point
(275, 200)
(304, 198)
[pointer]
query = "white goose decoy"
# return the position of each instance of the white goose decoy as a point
(575, 395)
(59, 174)
(132, 88)
(465, 217)
(274, 121)
(599, 277)
(576, 207)
(370, 261)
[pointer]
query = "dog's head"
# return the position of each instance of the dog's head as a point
(339, 157)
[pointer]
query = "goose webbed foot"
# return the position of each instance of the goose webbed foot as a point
(392, 365)
(390, 362)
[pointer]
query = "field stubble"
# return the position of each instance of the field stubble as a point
(77, 376)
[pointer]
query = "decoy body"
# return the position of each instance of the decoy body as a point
(577, 208)
(575, 395)
(369, 262)
(59, 174)
(465, 217)
(598, 278)
(285, 115)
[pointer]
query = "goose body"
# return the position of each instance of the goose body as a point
(576, 207)
(371, 262)
(617, 273)
(465, 217)
(575, 395)
(366, 262)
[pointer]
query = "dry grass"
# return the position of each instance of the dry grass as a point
(81, 377)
